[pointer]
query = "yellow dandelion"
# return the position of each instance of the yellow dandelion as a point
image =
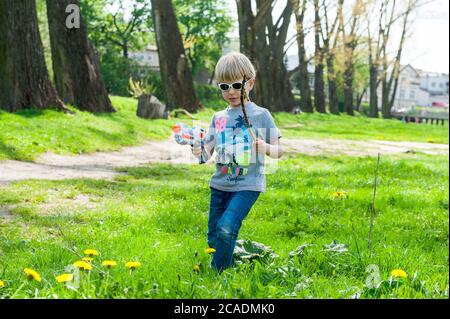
(133, 265)
(2, 283)
(109, 263)
(82, 265)
(197, 268)
(210, 250)
(64, 278)
(32, 274)
(399, 273)
(87, 259)
(91, 252)
(339, 194)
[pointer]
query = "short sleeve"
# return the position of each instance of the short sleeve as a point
(272, 133)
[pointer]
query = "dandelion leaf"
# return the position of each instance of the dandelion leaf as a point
(247, 250)
(335, 247)
(298, 252)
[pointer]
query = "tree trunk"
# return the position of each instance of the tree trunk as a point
(149, 107)
(348, 86)
(24, 79)
(330, 55)
(272, 87)
(76, 66)
(332, 86)
(177, 77)
(350, 42)
(360, 98)
(305, 91)
(385, 90)
(373, 91)
(246, 27)
(319, 87)
(393, 82)
(124, 48)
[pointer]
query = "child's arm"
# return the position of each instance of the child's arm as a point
(268, 142)
(273, 150)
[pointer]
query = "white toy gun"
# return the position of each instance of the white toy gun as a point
(193, 136)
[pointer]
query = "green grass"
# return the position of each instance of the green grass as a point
(158, 216)
(25, 135)
(358, 128)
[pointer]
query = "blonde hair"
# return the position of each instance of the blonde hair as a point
(234, 66)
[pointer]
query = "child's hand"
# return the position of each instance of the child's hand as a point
(196, 151)
(261, 146)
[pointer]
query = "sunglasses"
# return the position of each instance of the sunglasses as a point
(226, 86)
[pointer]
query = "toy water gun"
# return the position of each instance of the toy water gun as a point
(186, 135)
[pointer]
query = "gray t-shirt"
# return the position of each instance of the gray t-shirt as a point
(238, 167)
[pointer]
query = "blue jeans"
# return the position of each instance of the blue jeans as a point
(226, 213)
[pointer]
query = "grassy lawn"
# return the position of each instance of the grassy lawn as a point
(157, 215)
(25, 135)
(358, 128)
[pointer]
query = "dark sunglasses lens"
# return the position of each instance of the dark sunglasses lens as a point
(237, 86)
(224, 87)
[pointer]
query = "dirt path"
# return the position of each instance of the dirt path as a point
(103, 164)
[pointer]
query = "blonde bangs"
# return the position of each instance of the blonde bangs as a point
(233, 66)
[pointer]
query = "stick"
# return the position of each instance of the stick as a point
(73, 251)
(369, 240)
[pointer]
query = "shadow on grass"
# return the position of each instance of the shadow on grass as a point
(179, 172)
(30, 113)
(9, 151)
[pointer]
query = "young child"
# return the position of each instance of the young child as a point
(240, 175)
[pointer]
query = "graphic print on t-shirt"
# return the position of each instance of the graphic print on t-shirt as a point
(233, 147)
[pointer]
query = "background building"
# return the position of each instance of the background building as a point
(418, 88)
(146, 57)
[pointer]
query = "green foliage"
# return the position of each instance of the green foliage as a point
(365, 109)
(115, 30)
(115, 27)
(204, 25)
(116, 71)
(210, 96)
(153, 78)
(138, 88)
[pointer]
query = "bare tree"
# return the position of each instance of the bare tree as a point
(177, 77)
(24, 79)
(390, 83)
(330, 40)
(305, 91)
(376, 47)
(75, 64)
(386, 19)
(264, 41)
(350, 40)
